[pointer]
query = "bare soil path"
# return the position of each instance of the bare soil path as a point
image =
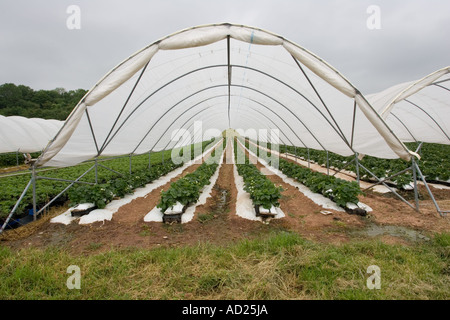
(216, 221)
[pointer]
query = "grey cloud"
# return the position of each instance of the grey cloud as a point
(38, 50)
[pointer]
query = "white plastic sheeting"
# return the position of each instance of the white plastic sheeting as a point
(25, 134)
(418, 110)
(244, 204)
(317, 198)
(227, 76)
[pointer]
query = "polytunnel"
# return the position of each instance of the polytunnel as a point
(226, 76)
(26, 135)
(211, 78)
(417, 111)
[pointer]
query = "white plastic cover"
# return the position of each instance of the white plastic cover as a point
(210, 78)
(26, 135)
(418, 110)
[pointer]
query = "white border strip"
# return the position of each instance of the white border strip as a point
(244, 205)
(113, 206)
(319, 199)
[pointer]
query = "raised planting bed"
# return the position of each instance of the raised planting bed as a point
(101, 194)
(185, 191)
(12, 186)
(434, 163)
(263, 193)
(343, 193)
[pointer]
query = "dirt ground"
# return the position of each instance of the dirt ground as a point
(216, 221)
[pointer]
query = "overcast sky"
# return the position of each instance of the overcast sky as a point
(37, 48)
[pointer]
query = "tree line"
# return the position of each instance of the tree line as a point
(20, 100)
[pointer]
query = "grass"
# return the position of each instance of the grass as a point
(205, 217)
(279, 266)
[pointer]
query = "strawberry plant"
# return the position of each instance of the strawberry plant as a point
(11, 187)
(102, 194)
(434, 162)
(338, 190)
(262, 191)
(187, 190)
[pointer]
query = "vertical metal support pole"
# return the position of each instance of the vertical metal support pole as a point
(130, 164)
(309, 164)
(15, 206)
(96, 171)
(33, 178)
(429, 191)
(357, 168)
(416, 193)
(149, 159)
(328, 164)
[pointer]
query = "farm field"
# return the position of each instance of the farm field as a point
(310, 253)
(434, 163)
(135, 174)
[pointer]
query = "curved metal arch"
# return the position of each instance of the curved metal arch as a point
(225, 95)
(105, 143)
(165, 131)
(293, 131)
(274, 125)
(245, 115)
(299, 93)
(275, 100)
(205, 109)
(222, 111)
(404, 125)
(412, 103)
(165, 113)
(188, 128)
(239, 86)
(213, 115)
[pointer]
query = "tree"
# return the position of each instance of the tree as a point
(47, 104)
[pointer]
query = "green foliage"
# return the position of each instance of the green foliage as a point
(11, 187)
(275, 265)
(434, 162)
(99, 194)
(13, 159)
(338, 190)
(46, 104)
(187, 189)
(262, 191)
(102, 194)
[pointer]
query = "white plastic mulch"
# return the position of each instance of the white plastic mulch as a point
(319, 199)
(113, 206)
(244, 205)
(66, 217)
(344, 174)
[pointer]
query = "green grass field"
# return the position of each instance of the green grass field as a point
(279, 266)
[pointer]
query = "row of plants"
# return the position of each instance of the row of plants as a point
(13, 159)
(434, 162)
(262, 191)
(102, 193)
(188, 189)
(12, 186)
(338, 190)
